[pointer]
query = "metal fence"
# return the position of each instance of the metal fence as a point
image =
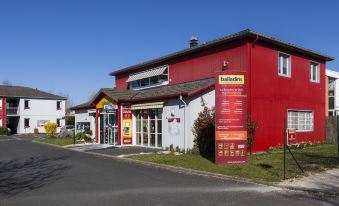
(331, 129)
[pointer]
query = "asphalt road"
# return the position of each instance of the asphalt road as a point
(36, 174)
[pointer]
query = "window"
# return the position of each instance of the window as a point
(26, 102)
(331, 96)
(26, 123)
(58, 121)
(284, 65)
(58, 105)
(41, 123)
(148, 127)
(314, 72)
(160, 78)
(302, 121)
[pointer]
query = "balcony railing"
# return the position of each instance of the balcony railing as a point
(12, 111)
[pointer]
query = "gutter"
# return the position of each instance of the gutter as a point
(185, 126)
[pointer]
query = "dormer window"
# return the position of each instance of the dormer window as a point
(149, 78)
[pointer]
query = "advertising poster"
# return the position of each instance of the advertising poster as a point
(230, 117)
(126, 125)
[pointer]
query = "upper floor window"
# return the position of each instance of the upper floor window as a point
(26, 104)
(149, 78)
(58, 105)
(284, 65)
(314, 72)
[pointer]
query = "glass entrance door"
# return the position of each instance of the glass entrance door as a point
(109, 128)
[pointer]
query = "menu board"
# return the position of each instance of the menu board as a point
(231, 117)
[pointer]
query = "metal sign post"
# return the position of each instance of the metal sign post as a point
(286, 142)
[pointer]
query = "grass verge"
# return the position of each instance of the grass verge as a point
(56, 141)
(266, 167)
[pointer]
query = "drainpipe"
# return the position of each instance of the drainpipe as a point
(185, 126)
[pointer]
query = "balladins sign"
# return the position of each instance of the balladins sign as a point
(231, 117)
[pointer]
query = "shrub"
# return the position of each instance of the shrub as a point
(50, 129)
(82, 136)
(3, 131)
(251, 127)
(204, 131)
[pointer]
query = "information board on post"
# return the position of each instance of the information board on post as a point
(231, 117)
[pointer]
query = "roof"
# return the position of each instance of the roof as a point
(236, 36)
(27, 92)
(163, 92)
(86, 105)
(332, 73)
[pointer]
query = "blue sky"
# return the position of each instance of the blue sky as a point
(69, 46)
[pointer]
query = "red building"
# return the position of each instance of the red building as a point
(284, 81)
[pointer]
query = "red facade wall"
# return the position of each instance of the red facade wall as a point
(269, 95)
(199, 66)
(3, 115)
(272, 95)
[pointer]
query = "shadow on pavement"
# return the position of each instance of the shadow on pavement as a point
(22, 175)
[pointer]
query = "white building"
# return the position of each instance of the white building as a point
(84, 119)
(332, 95)
(26, 110)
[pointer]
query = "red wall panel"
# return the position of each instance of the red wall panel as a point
(273, 96)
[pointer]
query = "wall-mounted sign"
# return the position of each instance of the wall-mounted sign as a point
(291, 136)
(126, 124)
(231, 117)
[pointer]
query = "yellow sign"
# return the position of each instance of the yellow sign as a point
(231, 79)
(102, 102)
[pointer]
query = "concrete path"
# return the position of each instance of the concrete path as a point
(88, 147)
(325, 182)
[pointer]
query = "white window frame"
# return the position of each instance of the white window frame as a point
(288, 66)
(317, 66)
(301, 120)
(149, 82)
(60, 108)
(29, 104)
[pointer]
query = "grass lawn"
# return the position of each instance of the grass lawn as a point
(56, 141)
(262, 167)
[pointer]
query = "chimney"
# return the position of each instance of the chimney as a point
(193, 41)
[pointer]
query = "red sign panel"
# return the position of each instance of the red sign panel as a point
(231, 117)
(126, 125)
(291, 136)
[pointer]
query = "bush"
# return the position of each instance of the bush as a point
(251, 127)
(204, 132)
(50, 129)
(66, 134)
(82, 136)
(3, 131)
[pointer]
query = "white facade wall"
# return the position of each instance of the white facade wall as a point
(195, 107)
(84, 116)
(39, 109)
(335, 75)
(174, 108)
